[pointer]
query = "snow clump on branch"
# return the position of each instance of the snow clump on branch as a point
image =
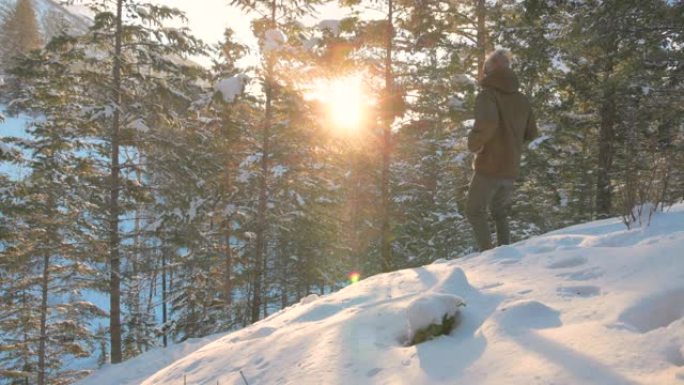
(231, 87)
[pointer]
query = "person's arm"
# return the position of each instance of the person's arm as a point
(531, 132)
(486, 121)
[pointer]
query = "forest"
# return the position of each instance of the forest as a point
(150, 199)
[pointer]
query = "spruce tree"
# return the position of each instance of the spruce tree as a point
(52, 248)
(572, 88)
(149, 81)
(154, 83)
(272, 38)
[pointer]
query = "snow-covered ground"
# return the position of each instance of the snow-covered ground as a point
(590, 304)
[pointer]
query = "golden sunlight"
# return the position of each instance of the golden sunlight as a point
(345, 102)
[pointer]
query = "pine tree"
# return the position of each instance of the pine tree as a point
(272, 38)
(433, 41)
(389, 113)
(572, 88)
(114, 187)
(445, 43)
(52, 249)
(137, 101)
(432, 173)
(155, 85)
(198, 205)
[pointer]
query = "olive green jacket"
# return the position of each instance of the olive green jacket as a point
(504, 122)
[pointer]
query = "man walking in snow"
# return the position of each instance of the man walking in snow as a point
(503, 123)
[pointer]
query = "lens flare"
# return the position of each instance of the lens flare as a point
(354, 277)
(345, 100)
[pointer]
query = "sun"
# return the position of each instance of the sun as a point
(345, 102)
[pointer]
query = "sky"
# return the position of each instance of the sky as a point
(208, 19)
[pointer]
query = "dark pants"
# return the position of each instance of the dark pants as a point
(495, 194)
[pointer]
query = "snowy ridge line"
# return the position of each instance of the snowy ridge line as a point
(589, 304)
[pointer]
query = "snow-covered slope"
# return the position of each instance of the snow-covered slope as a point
(590, 304)
(74, 15)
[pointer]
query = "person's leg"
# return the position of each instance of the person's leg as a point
(501, 203)
(479, 195)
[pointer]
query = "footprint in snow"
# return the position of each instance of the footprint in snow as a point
(259, 333)
(567, 262)
(508, 261)
(656, 311)
(491, 286)
(582, 275)
(579, 291)
(674, 354)
(507, 253)
(318, 313)
(260, 364)
(552, 243)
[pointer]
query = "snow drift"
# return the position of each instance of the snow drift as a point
(590, 304)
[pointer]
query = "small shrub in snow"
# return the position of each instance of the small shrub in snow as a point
(433, 315)
(640, 215)
(435, 330)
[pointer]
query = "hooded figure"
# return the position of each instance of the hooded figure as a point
(504, 122)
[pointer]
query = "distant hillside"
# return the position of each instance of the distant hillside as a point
(51, 17)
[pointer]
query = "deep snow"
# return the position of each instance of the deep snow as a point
(590, 304)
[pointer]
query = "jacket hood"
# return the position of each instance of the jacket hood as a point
(503, 79)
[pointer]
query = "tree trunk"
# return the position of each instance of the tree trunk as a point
(136, 294)
(228, 269)
(26, 357)
(264, 289)
(282, 271)
(632, 183)
(386, 241)
(163, 276)
(606, 144)
(260, 247)
(481, 37)
(45, 279)
(50, 241)
(114, 240)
